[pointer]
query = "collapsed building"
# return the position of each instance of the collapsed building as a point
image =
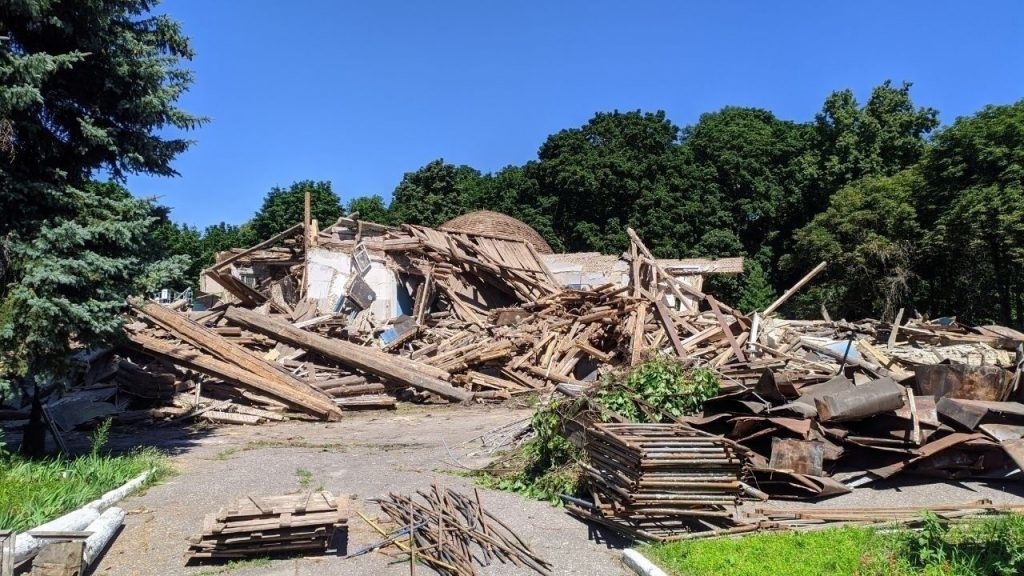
(359, 315)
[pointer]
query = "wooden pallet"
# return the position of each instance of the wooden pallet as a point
(256, 526)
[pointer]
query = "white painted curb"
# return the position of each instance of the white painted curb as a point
(639, 563)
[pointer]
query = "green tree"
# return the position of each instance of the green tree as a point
(435, 194)
(868, 234)
(593, 176)
(69, 280)
(885, 136)
(515, 190)
(170, 238)
(370, 208)
(757, 293)
(754, 163)
(84, 88)
(284, 207)
(973, 210)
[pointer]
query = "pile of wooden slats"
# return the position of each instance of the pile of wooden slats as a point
(659, 480)
(490, 322)
(452, 533)
(259, 526)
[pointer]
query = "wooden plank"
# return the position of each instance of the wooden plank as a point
(636, 349)
(381, 364)
(895, 329)
(800, 284)
(230, 418)
(726, 328)
(205, 339)
(670, 280)
(230, 372)
(670, 327)
(268, 242)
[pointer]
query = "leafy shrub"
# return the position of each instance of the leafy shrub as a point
(545, 467)
(658, 388)
(992, 546)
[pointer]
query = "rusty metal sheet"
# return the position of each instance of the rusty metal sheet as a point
(790, 485)
(1002, 432)
(928, 450)
(776, 386)
(926, 413)
(956, 380)
(875, 397)
(744, 425)
(801, 409)
(971, 413)
(799, 456)
(836, 385)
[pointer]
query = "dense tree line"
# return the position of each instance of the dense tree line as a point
(907, 213)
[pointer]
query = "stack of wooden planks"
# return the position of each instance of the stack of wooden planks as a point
(259, 526)
(655, 481)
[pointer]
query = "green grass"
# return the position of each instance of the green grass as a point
(841, 551)
(260, 562)
(991, 546)
(306, 480)
(37, 491)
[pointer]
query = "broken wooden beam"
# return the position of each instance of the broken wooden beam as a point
(211, 366)
(789, 293)
(381, 364)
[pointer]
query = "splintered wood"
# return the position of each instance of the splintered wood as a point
(259, 526)
(452, 533)
(487, 320)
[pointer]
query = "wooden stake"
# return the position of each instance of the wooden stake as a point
(915, 435)
(800, 284)
(895, 329)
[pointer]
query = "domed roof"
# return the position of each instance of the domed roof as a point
(488, 223)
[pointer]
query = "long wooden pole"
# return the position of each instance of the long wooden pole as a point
(268, 242)
(387, 366)
(274, 381)
(782, 299)
(307, 216)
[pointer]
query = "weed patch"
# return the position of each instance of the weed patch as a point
(37, 491)
(235, 565)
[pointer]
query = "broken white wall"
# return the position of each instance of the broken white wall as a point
(330, 271)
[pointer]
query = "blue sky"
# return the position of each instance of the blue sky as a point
(360, 93)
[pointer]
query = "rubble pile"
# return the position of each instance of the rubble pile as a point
(312, 323)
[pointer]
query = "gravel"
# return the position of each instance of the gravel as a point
(365, 455)
(370, 454)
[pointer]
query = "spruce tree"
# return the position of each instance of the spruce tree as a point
(86, 88)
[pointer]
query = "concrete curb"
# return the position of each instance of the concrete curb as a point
(639, 563)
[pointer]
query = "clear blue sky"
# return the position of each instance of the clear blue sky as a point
(359, 93)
